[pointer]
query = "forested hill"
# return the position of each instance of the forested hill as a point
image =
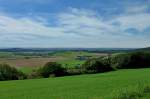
(147, 49)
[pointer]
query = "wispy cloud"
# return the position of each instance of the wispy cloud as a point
(27, 26)
(139, 21)
(75, 28)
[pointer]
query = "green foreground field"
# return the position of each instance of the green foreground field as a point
(92, 86)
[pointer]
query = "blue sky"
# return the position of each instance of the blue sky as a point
(75, 23)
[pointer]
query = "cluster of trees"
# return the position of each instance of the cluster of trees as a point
(96, 65)
(130, 60)
(117, 61)
(10, 73)
(50, 69)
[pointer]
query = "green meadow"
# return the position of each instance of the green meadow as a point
(90, 86)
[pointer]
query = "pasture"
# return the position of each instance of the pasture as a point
(91, 86)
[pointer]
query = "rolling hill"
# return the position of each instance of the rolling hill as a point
(92, 86)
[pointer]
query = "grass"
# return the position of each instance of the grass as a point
(93, 86)
(70, 57)
(71, 60)
(6, 54)
(72, 54)
(26, 70)
(71, 63)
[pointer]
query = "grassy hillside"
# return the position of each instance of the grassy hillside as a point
(93, 86)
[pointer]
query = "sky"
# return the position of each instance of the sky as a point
(74, 23)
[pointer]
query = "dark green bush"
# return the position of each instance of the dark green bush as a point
(10, 73)
(52, 69)
(96, 65)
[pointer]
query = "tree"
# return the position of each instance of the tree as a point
(96, 66)
(52, 69)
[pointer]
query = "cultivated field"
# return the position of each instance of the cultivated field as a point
(31, 62)
(92, 86)
(27, 63)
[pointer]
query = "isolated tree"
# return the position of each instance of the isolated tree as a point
(52, 68)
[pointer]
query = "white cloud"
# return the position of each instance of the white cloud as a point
(75, 28)
(137, 21)
(27, 26)
(84, 22)
(136, 16)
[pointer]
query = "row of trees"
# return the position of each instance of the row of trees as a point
(96, 65)
(118, 61)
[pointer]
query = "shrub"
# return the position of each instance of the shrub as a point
(10, 73)
(52, 69)
(34, 75)
(96, 65)
(73, 71)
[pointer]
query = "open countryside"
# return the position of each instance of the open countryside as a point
(74, 49)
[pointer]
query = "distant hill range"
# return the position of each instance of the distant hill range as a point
(64, 49)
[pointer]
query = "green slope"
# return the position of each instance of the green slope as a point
(94, 86)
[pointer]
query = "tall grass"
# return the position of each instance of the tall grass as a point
(132, 92)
